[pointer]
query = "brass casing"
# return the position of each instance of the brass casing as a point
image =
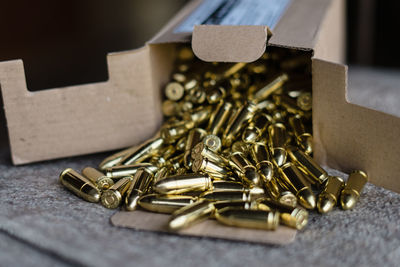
(260, 155)
(303, 139)
(128, 170)
(174, 91)
(116, 158)
(256, 128)
(140, 185)
(178, 184)
(245, 169)
(197, 116)
(141, 153)
(112, 197)
(267, 90)
(98, 178)
(248, 218)
(352, 190)
(329, 197)
(194, 137)
(213, 169)
(231, 195)
(161, 174)
(277, 142)
(79, 185)
(213, 142)
(219, 117)
(172, 132)
(201, 150)
(164, 203)
(191, 214)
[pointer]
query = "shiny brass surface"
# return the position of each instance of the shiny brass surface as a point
(140, 185)
(174, 91)
(248, 218)
(112, 197)
(201, 150)
(79, 185)
(295, 181)
(277, 142)
(231, 195)
(191, 214)
(304, 101)
(303, 139)
(161, 174)
(116, 158)
(256, 128)
(260, 155)
(308, 164)
(98, 178)
(270, 88)
(213, 169)
(213, 142)
(328, 198)
(216, 94)
(194, 137)
(141, 153)
(219, 117)
(287, 198)
(197, 116)
(164, 203)
(352, 190)
(128, 170)
(178, 184)
(245, 169)
(172, 132)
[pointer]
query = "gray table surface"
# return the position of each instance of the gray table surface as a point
(42, 224)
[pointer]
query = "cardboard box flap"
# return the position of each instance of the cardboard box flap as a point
(350, 137)
(229, 43)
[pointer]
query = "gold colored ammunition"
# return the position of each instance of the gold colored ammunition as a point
(98, 178)
(245, 169)
(164, 203)
(128, 170)
(295, 181)
(268, 105)
(174, 91)
(238, 121)
(329, 197)
(178, 184)
(227, 186)
(196, 117)
(290, 216)
(116, 158)
(169, 108)
(289, 104)
(254, 131)
(272, 87)
(304, 101)
(216, 94)
(161, 174)
(308, 164)
(197, 95)
(142, 152)
(219, 117)
(288, 198)
(352, 190)
(202, 151)
(212, 142)
(172, 132)
(240, 146)
(112, 197)
(219, 205)
(79, 185)
(140, 185)
(303, 139)
(261, 157)
(248, 218)
(243, 195)
(181, 144)
(215, 170)
(191, 214)
(194, 137)
(277, 142)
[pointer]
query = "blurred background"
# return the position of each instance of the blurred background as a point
(65, 42)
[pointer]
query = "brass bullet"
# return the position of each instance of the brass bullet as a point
(212, 142)
(219, 117)
(243, 195)
(290, 216)
(215, 170)
(303, 139)
(194, 137)
(216, 94)
(240, 146)
(304, 101)
(352, 190)
(98, 178)
(197, 95)
(277, 141)
(261, 157)
(257, 219)
(164, 203)
(295, 181)
(197, 116)
(178, 184)
(174, 91)
(112, 197)
(116, 158)
(170, 108)
(272, 188)
(227, 186)
(270, 88)
(191, 214)
(201, 150)
(142, 152)
(79, 185)
(172, 132)
(329, 197)
(219, 205)
(161, 174)
(256, 128)
(181, 144)
(245, 169)
(238, 121)
(288, 198)
(289, 104)
(128, 170)
(308, 164)
(140, 185)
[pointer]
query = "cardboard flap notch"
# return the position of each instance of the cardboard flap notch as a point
(229, 43)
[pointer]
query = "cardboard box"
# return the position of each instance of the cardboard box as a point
(125, 110)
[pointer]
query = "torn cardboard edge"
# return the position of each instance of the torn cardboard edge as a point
(156, 222)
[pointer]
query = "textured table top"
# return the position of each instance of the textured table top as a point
(42, 224)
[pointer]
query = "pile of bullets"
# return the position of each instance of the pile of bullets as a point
(236, 146)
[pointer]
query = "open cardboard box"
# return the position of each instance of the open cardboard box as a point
(125, 110)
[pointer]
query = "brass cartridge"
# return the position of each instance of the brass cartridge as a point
(245, 169)
(289, 104)
(172, 132)
(178, 184)
(161, 174)
(329, 197)
(303, 139)
(112, 197)
(128, 170)
(272, 87)
(213, 169)
(352, 190)
(288, 198)
(197, 95)
(191, 214)
(140, 185)
(256, 128)
(268, 105)
(308, 165)
(142, 152)
(194, 137)
(216, 94)
(79, 185)
(304, 101)
(164, 203)
(277, 142)
(219, 117)
(174, 91)
(98, 178)
(238, 121)
(213, 142)
(197, 116)
(227, 186)
(261, 157)
(162, 156)
(295, 181)
(180, 144)
(116, 158)
(248, 218)
(201, 150)
(290, 216)
(170, 108)
(219, 205)
(240, 146)
(230, 195)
